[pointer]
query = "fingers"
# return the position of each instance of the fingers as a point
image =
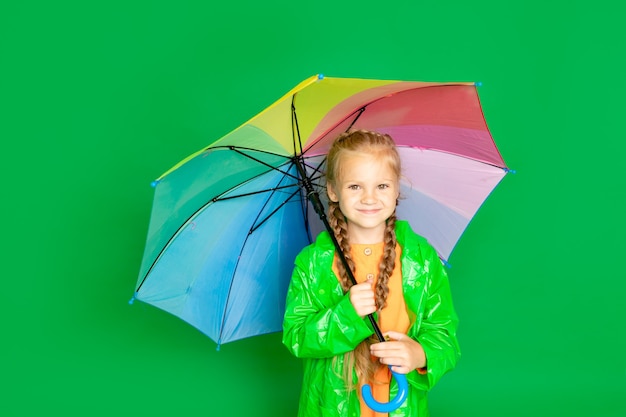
(400, 364)
(362, 298)
(391, 335)
(388, 349)
(392, 338)
(403, 352)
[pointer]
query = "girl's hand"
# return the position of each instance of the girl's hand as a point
(402, 353)
(362, 298)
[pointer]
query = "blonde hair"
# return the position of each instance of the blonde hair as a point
(383, 146)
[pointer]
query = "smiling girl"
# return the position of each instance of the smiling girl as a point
(399, 278)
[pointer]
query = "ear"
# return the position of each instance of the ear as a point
(332, 195)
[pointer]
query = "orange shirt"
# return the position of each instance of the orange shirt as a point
(393, 317)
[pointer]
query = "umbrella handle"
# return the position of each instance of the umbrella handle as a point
(403, 389)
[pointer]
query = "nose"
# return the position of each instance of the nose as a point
(368, 197)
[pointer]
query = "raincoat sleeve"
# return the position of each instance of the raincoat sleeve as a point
(319, 322)
(437, 332)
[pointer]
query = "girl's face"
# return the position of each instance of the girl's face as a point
(367, 190)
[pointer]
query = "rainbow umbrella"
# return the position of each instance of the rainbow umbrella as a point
(228, 221)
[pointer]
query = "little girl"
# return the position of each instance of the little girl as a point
(400, 279)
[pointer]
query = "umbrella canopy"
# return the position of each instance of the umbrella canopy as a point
(228, 221)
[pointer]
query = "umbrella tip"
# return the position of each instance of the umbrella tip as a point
(320, 76)
(478, 83)
(132, 299)
(154, 183)
(509, 171)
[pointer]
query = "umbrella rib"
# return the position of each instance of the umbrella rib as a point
(233, 147)
(316, 168)
(295, 132)
(361, 110)
(255, 192)
(230, 288)
(236, 149)
(313, 179)
(294, 123)
(254, 228)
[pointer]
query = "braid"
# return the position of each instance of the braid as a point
(387, 263)
(340, 228)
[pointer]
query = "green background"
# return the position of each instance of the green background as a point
(100, 98)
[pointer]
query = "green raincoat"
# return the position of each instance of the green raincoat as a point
(321, 325)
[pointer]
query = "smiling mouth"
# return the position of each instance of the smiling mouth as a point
(369, 211)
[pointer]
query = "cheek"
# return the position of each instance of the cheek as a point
(347, 201)
(393, 199)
